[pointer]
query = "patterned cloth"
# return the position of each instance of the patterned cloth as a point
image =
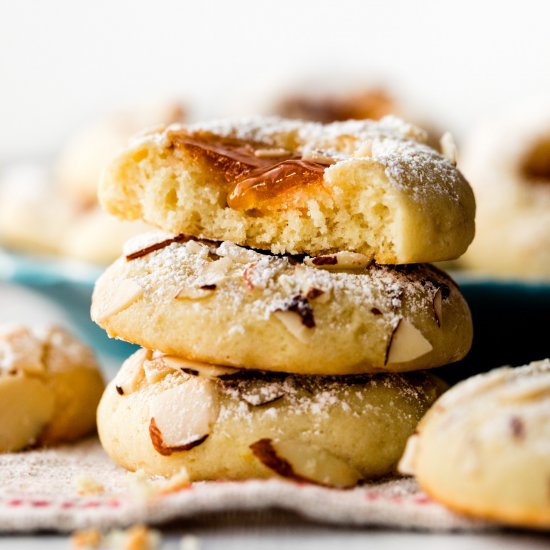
(39, 490)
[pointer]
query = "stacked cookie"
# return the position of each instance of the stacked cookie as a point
(282, 314)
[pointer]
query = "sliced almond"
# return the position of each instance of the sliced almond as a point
(261, 394)
(406, 343)
(196, 368)
(437, 304)
(197, 248)
(136, 246)
(155, 371)
(127, 291)
(448, 147)
(300, 305)
(128, 377)
(305, 462)
(274, 152)
(194, 293)
(308, 289)
(183, 416)
(237, 253)
(318, 156)
(215, 272)
(340, 260)
(293, 323)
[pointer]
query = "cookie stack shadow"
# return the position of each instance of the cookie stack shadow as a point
(269, 346)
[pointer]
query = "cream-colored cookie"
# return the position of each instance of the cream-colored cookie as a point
(162, 414)
(484, 447)
(32, 217)
(35, 217)
(86, 154)
(335, 314)
(298, 187)
(50, 385)
(322, 101)
(97, 237)
(508, 164)
(371, 103)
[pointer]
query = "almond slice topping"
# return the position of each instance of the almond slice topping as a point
(183, 416)
(406, 343)
(293, 323)
(339, 260)
(126, 293)
(128, 377)
(194, 293)
(305, 462)
(195, 368)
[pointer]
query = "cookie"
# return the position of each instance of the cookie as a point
(80, 163)
(25, 222)
(483, 449)
(298, 187)
(162, 414)
(97, 237)
(371, 103)
(50, 385)
(36, 218)
(508, 162)
(335, 314)
(321, 101)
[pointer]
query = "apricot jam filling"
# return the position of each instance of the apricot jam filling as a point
(259, 177)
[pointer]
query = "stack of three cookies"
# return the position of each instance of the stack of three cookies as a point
(280, 313)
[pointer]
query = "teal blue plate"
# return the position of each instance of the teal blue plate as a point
(511, 317)
(68, 283)
(511, 323)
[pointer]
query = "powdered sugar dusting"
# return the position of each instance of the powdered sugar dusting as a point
(248, 395)
(398, 146)
(261, 284)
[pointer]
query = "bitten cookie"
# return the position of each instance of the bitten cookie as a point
(298, 187)
(163, 413)
(483, 449)
(335, 314)
(508, 163)
(50, 385)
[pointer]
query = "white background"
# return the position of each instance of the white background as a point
(62, 62)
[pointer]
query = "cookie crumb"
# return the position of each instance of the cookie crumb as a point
(144, 487)
(87, 485)
(89, 539)
(137, 537)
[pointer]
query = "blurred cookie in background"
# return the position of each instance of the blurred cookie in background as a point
(507, 161)
(36, 218)
(82, 159)
(55, 210)
(373, 103)
(345, 98)
(33, 218)
(50, 386)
